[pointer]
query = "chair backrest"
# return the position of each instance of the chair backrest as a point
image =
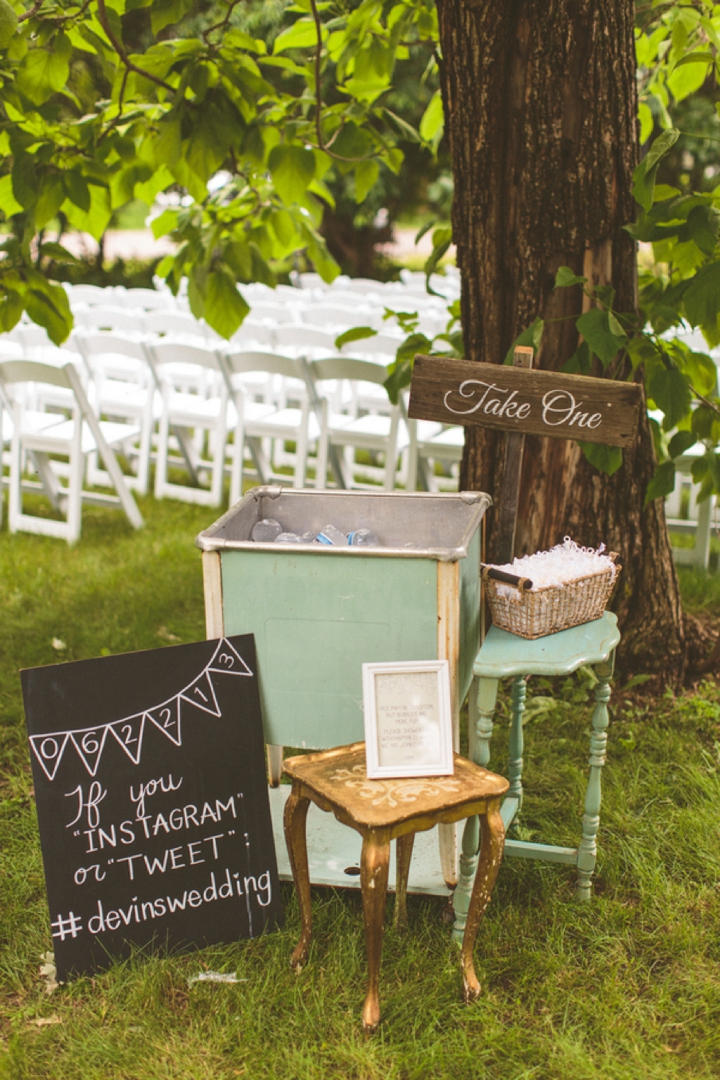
(149, 299)
(172, 322)
(106, 317)
(275, 310)
(109, 344)
(181, 352)
(342, 367)
(90, 294)
(242, 362)
(33, 371)
(336, 315)
(300, 336)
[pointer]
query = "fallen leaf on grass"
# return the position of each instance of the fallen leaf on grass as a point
(43, 1021)
(165, 635)
(214, 976)
(48, 971)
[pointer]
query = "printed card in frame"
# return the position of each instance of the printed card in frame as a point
(408, 719)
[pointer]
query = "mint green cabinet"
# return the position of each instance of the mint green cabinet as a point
(319, 613)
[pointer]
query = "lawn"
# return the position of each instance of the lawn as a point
(625, 986)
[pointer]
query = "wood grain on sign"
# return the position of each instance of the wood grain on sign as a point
(152, 800)
(534, 402)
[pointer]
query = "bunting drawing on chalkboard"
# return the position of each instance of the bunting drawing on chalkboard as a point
(128, 732)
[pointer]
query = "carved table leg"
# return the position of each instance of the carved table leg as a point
(374, 866)
(403, 857)
(587, 852)
(515, 762)
(295, 820)
(491, 850)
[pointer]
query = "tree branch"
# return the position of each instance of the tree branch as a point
(33, 10)
(117, 46)
(223, 23)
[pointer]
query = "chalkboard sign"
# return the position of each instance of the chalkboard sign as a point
(152, 800)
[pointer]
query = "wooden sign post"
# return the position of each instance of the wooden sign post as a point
(152, 800)
(523, 402)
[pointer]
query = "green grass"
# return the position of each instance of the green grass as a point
(626, 986)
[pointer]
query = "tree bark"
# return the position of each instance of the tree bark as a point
(540, 106)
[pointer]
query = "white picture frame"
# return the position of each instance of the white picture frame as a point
(408, 719)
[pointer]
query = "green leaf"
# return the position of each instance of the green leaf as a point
(662, 483)
(292, 168)
(685, 80)
(97, 219)
(400, 376)
(42, 74)
(8, 23)
(8, 203)
(680, 442)
(701, 299)
(603, 334)
(670, 391)
(357, 333)
(644, 174)
(580, 363)
(531, 336)
(24, 182)
(12, 306)
(49, 201)
(166, 12)
(566, 277)
(77, 190)
(225, 308)
(301, 35)
(366, 173)
(606, 459)
(647, 122)
(48, 306)
(704, 225)
(433, 119)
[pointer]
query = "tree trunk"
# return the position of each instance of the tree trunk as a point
(540, 106)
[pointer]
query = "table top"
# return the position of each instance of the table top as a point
(503, 654)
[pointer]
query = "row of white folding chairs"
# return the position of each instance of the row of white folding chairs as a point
(199, 414)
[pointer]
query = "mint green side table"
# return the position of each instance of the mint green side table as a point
(505, 655)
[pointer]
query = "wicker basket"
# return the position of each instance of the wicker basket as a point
(537, 612)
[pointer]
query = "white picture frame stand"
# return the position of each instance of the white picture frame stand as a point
(408, 719)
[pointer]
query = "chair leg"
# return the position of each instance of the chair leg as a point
(374, 866)
(587, 852)
(295, 821)
(403, 858)
(487, 697)
(491, 850)
(515, 763)
(468, 863)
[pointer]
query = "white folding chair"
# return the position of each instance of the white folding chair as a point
(430, 442)
(261, 420)
(122, 388)
(45, 436)
(384, 434)
(198, 420)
